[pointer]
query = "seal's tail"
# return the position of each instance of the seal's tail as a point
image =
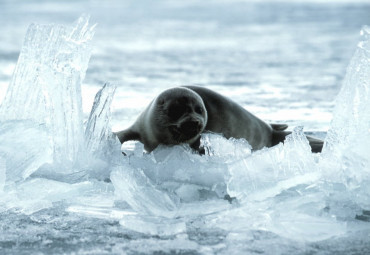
(315, 143)
(278, 136)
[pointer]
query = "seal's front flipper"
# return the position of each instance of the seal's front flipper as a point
(127, 135)
(196, 147)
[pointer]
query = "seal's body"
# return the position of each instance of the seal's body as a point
(230, 119)
(181, 114)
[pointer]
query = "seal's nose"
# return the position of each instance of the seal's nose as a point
(191, 127)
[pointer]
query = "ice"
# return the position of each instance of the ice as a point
(179, 164)
(307, 228)
(303, 216)
(154, 225)
(173, 175)
(225, 199)
(46, 84)
(267, 172)
(225, 149)
(25, 146)
(346, 160)
(100, 212)
(157, 183)
(37, 194)
(98, 135)
(133, 148)
(2, 173)
(185, 175)
(351, 120)
(132, 186)
(298, 215)
(102, 146)
(180, 244)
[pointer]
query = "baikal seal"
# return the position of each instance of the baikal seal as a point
(181, 114)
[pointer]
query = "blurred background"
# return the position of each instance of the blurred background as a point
(284, 61)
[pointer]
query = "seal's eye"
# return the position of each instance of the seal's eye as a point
(198, 110)
(176, 111)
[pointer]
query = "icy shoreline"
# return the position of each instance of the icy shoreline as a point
(50, 166)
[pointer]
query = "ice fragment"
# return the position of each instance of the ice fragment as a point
(171, 167)
(2, 173)
(351, 113)
(346, 157)
(26, 146)
(134, 187)
(36, 194)
(154, 225)
(225, 149)
(46, 84)
(269, 171)
(135, 148)
(98, 134)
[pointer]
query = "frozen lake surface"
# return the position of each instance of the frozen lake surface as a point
(65, 187)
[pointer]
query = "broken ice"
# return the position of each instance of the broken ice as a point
(46, 84)
(351, 113)
(98, 134)
(2, 173)
(25, 147)
(268, 172)
(183, 174)
(154, 225)
(46, 158)
(174, 175)
(346, 152)
(136, 189)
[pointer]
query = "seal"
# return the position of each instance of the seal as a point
(179, 115)
(176, 116)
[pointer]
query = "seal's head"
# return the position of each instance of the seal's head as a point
(181, 115)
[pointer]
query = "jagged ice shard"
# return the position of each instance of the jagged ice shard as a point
(132, 186)
(346, 155)
(2, 173)
(25, 146)
(46, 84)
(98, 134)
(268, 172)
(351, 113)
(41, 129)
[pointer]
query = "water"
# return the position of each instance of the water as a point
(267, 56)
(285, 62)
